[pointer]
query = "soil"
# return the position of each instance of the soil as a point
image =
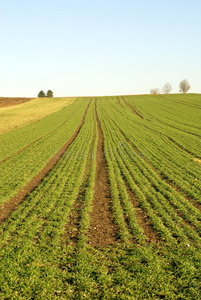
(70, 236)
(132, 108)
(103, 231)
(7, 208)
(8, 101)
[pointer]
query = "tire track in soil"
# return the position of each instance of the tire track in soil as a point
(7, 208)
(118, 101)
(151, 235)
(102, 231)
(132, 108)
(70, 236)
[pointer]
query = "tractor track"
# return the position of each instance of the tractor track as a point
(102, 231)
(132, 108)
(7, 208)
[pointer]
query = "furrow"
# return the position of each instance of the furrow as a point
(151, 234)
(132, 108)
(118, 101)
(7, 208)
(102, 231)
(72, 234)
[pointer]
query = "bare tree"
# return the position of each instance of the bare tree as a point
(167, 88)
(154, 91)
(184, 86)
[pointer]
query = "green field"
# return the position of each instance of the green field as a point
(12, 117)
(142, 155)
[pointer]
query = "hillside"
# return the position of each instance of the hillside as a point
(102, 200)
(27, 112)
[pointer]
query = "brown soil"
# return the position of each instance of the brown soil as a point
(7, 208)
(102, 231)
(70, 235)
(132, 108)
(151, 235)
(8, 101)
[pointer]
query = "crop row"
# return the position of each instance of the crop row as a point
(167, 209)
(32, 235)
(167, 111)
(17, 139)
(168, 119)
(172, 163)
(22, 167)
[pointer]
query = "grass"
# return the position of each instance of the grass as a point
(12, 117)
(118, 272)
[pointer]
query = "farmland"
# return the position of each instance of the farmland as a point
(101, 199)
(16, 116)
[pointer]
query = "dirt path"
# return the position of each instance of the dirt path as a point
(132, 108)
(7, 208)
(8, 101)
(102, 231)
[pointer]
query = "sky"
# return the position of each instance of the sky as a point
(92, 48)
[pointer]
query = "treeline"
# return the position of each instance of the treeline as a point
(184, 86)
(42, 94)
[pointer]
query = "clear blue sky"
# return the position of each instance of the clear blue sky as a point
(104, 47)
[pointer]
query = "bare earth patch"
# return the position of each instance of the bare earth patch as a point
(102, 231)
(8, 101)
